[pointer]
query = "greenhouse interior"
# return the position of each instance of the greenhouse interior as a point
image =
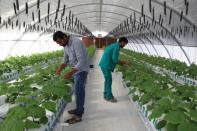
(98, 65)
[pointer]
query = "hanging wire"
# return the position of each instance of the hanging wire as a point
(0, 13)
(195, 55)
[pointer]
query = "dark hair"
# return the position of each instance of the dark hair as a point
(123, 39)
(58, 34)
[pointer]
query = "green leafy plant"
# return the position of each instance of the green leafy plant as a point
(171, 104)
(177, 66)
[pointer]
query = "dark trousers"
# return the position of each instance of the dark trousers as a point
(80, 81)
(107, 84)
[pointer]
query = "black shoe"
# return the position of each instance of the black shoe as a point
(113, 100)
(72, 111)
(74, 119)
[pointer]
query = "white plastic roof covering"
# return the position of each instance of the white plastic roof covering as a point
(106, 15)
(101, 14)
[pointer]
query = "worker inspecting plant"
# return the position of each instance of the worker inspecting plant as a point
(108, 62)
(75, 56)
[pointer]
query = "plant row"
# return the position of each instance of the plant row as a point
(171, 105)
(174, 65)
(18, 62)
(30, 96)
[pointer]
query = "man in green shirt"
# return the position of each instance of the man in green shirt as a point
(108, 62)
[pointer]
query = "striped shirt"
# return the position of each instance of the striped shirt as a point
(76, 55)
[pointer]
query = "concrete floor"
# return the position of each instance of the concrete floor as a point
(101, 115)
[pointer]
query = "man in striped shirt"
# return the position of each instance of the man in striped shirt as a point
(75, 56)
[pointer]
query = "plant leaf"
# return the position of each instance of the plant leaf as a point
(171, 127)
(30, 124)
(176, 117)
(49, 105)
(187, 126)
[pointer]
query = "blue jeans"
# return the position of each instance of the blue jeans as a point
(79, 83)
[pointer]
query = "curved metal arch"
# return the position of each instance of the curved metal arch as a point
(137, 22)
(135, 49)
(97, 11)
(179, 44)
(163, 46)
(87, 18)
(175, 11)
(175, 39)
(135, 45)
(144, 44)
(146, 28)
(106, 25)
(162, 43)
(129, 45)
(136, 39)
(102, 11)
(131, 9)
(151, 44)
(155, 1)
(134, 10)
(153, 33)
(120, 20)
(138, 44)
(147, 39)
(23, 10)
(34, 42)
(101, 22)
(15, 44)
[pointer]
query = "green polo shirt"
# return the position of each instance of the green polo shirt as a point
(110, 56)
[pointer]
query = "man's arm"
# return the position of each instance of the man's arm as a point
(80, 54)
(70, 73)
(63, 65)
(59, 70)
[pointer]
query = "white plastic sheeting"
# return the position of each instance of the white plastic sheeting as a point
(101, 15)
(29, 43)
(175, 51)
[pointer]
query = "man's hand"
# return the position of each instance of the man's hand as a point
(58, 72)
(70, 73)
(124, 63)
(127, 63)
